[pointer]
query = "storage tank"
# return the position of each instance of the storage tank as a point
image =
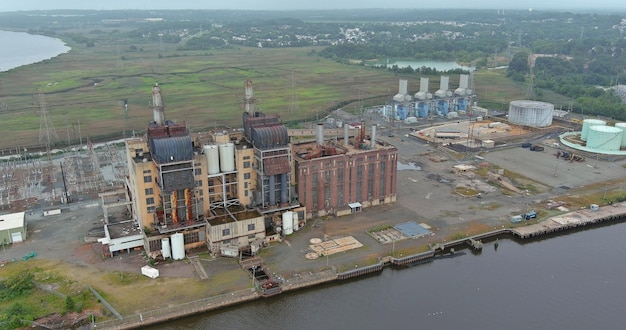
(165, 248)
(531, 113)
(587, 123)
(227, 157)
(288, 223)
(622, 126)
(178, 246)
(212, 157)
(607, 138)
(294, 218)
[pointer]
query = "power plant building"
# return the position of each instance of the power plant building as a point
(340, 177)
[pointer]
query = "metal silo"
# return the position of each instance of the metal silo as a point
(587, 123)
(606, 138)
(531, 113)
(622, 126)
(213, 159)
(227, 157)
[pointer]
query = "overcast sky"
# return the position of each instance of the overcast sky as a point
(564, 5)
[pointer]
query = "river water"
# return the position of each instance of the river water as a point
(20, 48)
(574, 281)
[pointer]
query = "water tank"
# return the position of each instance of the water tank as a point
(622, 126)
(288, 223)
(227, 157)
(296, 223)
(165, 248)
(587, 123)
(178, 246)
(212, 157)
(531, 113)
(606, 138)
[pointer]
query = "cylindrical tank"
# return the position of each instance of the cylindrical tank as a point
(607, 138)
(213, 158)
(294, 218)
(227, 157)
(288, 223)
(165, 248)
(178, 246)
(531, 113)
(622, 126)
(587, 123)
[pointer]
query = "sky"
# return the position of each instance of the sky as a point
(562, 5)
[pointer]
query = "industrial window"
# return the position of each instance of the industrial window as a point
(245, 185)
(198, 171)
(151, 209)
(340, 164)
(192, 237)
(149, 191)
(226, 232)
(251, 236)
(198, 183)
(245, 193)
(246, 176)
(150, 200)
(147, 171)
(371, 158)
(246, 164)
(196, 164)
(211, 182)
(251, 227)
(147, 178)
(246, 157)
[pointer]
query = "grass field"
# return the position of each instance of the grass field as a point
(85, 89)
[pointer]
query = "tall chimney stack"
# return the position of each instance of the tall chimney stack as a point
(373, 137)
(320, 133)
(346, 140)
(362, 137)
(158, 110)
(249, 97)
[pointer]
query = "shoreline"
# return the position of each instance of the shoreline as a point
(556, 225)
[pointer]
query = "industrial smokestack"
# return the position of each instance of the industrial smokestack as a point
(373, 137)
(320, 134)
(249, 97)
(362, 137)
(345, 135)
(158, 110)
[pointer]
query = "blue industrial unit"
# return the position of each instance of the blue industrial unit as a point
(442, 107)
(401, 112)
(462, 104)
(422, 109)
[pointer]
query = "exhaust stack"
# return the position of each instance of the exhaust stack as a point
(373, 137)
(320, 134)
(158, 110)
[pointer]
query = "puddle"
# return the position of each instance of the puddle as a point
(409, 166)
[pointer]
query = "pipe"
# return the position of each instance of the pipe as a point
(320, 134)
(373, 137)
(345, 135)
(158, 110)
(283, 188)
(272, 190)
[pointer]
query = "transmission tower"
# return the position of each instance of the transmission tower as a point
(46, 129)
(293, 103)
(46, 133)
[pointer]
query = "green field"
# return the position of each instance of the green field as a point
(85, 89)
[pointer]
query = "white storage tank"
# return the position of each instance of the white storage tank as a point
(178, 246)
(622, 126)
(288, 223)
(165, 248)
(227, 157)
(531, 113)
(212, 157)
(607, 138)
(587, 123)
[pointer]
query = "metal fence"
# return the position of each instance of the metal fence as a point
(175, 311)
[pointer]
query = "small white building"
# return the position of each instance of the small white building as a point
(12, 228)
